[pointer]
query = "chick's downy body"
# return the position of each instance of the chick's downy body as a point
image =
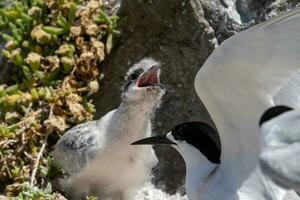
(97, 154)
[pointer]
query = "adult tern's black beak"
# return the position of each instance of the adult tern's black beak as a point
(157, 139)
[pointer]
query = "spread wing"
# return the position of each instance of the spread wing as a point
(78, 147)
(240, 80)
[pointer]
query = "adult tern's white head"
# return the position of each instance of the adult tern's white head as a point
(199, 145)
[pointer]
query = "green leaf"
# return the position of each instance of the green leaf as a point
(41, 75)
(62, 21)
(106, 18)
(6, 54)
(54, 30)
(26, 17)
(38, 3)
(11, 89)
(3, 129)
(12, 14)
(27, 72)
(7, 37)
(72, 13)
(21, 24)
(34, 93)
(52, 75)
(48, 94)
(17, 59)
(15, 32)
(2, 109)
(90, 108)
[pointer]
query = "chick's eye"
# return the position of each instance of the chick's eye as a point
(133, 76)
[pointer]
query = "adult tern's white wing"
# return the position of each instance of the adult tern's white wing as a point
(237, 84)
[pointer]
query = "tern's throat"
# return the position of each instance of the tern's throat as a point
(137, 109)
(198, 170)
(134, 120)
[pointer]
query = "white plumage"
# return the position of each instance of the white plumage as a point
(97, 154)
(280, 154)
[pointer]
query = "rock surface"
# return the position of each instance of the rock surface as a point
(181, 34)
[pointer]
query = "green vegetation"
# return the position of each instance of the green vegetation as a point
(32, 192)
(55, 49)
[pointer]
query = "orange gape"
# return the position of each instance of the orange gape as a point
(149, 78)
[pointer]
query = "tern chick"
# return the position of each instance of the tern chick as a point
(97, 155)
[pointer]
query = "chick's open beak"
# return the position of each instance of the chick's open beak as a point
(150, 78)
